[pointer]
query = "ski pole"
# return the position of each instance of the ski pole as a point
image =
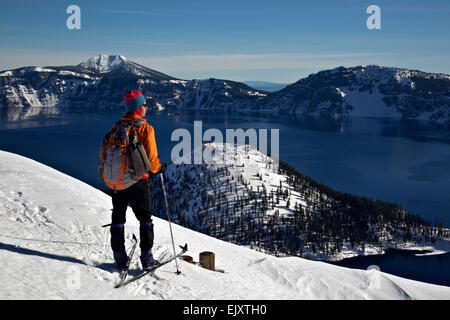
(168, 217)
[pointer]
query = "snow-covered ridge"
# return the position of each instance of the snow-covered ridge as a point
(6, 74)
(39, 69)
(238, 195)
(76, 74)
(52, 246)
(366, 91)
(11, 73)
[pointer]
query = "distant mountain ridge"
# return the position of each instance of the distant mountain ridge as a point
(366, 91)
(266, 86)
(100, 82)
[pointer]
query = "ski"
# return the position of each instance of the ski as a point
(183, 251)
(124, 274)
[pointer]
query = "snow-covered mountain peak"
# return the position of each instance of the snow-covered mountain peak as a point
(104, 63)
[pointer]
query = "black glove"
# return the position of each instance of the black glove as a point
(163, 168)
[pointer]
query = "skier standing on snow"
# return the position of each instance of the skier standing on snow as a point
(138, 194)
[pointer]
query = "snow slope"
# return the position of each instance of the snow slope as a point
(52, 246)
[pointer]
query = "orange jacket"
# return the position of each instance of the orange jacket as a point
(146, 135)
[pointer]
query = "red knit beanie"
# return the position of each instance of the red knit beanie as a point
(133, 100)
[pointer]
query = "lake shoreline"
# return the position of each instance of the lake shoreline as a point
(441, 246)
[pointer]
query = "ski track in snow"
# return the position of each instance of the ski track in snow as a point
(52, 246)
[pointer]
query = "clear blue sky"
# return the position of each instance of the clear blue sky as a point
(271, 40)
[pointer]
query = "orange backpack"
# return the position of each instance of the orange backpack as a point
(123, 159)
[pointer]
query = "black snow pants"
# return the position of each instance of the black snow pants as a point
(138, 196)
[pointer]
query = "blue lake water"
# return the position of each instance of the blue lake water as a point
(395, 161)
(398, 161)
(431, 269)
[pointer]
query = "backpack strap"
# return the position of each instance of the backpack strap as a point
(137, 123)
(133, 133)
